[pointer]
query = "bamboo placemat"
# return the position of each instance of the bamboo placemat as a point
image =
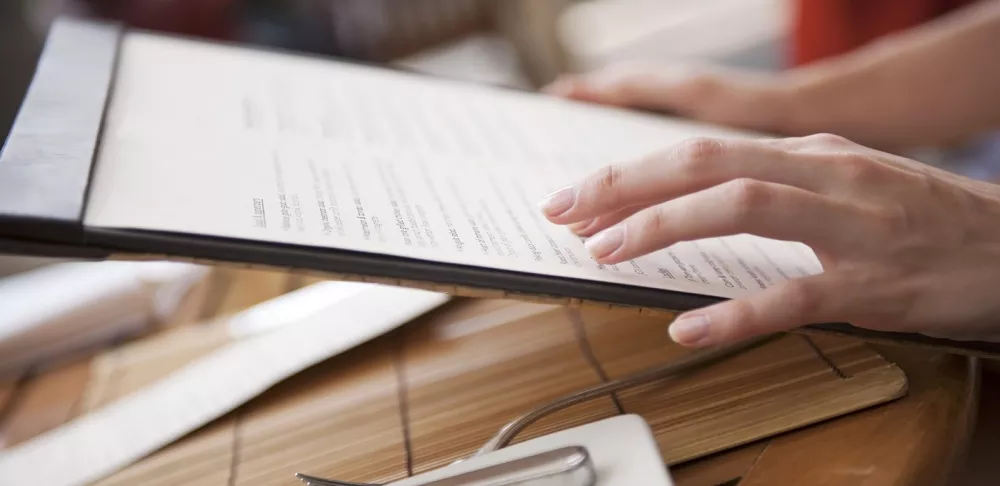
(435, 390)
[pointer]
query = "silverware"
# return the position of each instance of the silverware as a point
(692, 362)
(567, 466)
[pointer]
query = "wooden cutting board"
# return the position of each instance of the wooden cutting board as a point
(435, 390)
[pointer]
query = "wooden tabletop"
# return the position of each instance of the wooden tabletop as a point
(916, 440)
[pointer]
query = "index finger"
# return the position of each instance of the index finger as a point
(743, 206)
(692, 166)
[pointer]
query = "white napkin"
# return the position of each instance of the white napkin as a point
(58, 311)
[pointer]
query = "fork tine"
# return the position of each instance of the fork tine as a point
(315, 481)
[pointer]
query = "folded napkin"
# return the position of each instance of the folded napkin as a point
(58, 311)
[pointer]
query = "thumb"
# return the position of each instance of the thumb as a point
(781, 308)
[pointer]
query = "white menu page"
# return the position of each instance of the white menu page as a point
(225, 141)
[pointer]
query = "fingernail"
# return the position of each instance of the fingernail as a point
(558, 202)
(606, 242)
(689, 330)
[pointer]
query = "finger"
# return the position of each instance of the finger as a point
(694, 165)
(742, 206)
(563, 86)
(578, 88)
(592, 226)
(786, 306)
(674, 88)
(817, 142)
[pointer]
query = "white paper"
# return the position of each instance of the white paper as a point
(99, 443)
(222, 141)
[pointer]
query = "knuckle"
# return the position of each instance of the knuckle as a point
(699, 151)
(802, 299)
(857, 168)
(924, 182)
(747, 196)
(741, 317)
(893, 219)
(608, 179)
(648, 225)
(604, 187)
(829, 139)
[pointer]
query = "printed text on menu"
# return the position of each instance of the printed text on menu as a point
(311, 152)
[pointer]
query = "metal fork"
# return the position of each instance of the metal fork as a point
(565, 466)
(314, 481)
(689, 363)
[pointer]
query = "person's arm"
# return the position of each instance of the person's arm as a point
(932, 85)
(928, 86)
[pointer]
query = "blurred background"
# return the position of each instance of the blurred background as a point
(522, 44)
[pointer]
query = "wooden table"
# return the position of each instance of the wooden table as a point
(917, 440)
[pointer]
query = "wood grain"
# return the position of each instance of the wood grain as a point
(250, 287)
(738, 400)
(902, 431)
(436, 389)
(201, 459)
(466, 376)
(8, 388)
(341, 418)
(720, 469)
(44, 403)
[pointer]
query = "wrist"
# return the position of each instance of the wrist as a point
(767, 104)
(852, 95)
(784, 108)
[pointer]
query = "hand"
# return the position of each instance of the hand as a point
(904, 246)
(714, 95)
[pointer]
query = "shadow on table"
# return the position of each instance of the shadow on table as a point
(982, 467)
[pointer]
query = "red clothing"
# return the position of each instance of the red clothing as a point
(824, 28)
(204, 18)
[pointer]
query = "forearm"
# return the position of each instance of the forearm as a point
(933, 85)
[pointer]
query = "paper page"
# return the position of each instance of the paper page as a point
(219, 140)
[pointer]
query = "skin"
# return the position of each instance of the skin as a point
(933, 85)
(904, 246)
